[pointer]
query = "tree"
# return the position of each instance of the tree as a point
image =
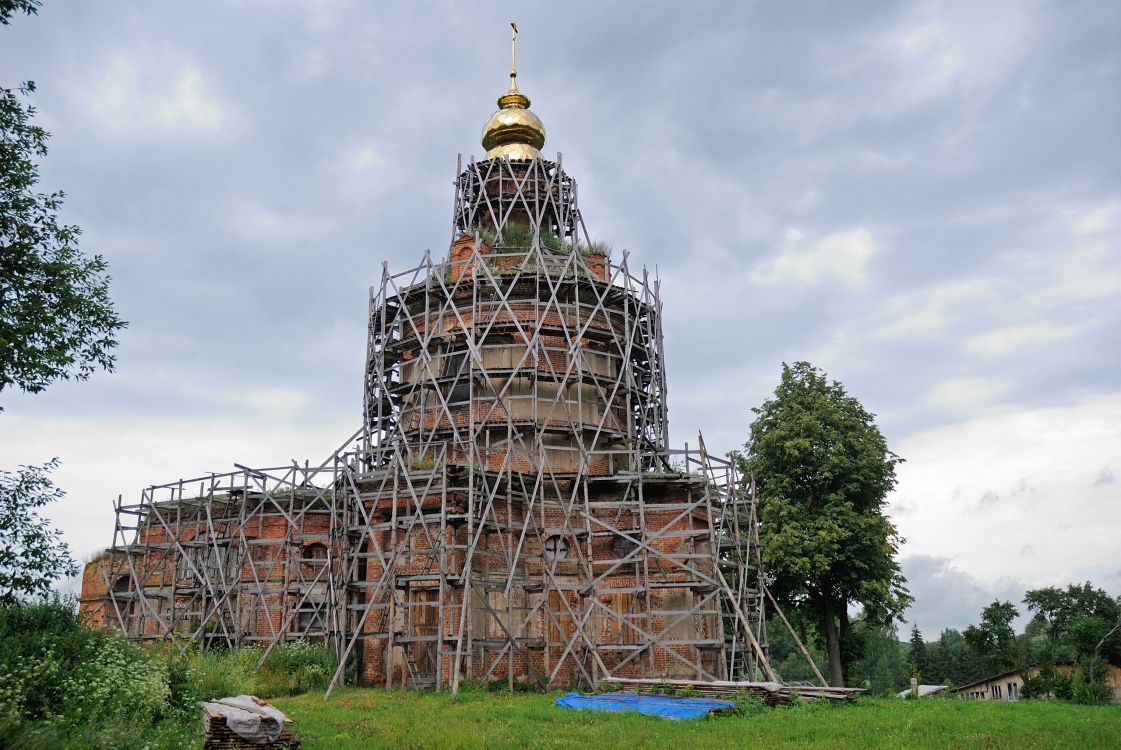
(56, 318)
(881, 667)
(917, 660)
(822, 472)
(1088, 616)
(8, 7)
(56, 321)
(1110, 630)
(994, 639)
(1075, 621)
(1048, 604)
(951, 661)
(32, 555)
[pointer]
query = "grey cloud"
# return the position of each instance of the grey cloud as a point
(948, 598)
(1105, 477)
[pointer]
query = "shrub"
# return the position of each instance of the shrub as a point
(39, 643)
(119, 681)
(63, 685)
(1093, 693)
(520, 237)
(1037, 685)
(293, 668)
(179, 660)
(748, 704)
(1061, 686)
(221, 673)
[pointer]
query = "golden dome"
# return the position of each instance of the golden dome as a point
(513, 131)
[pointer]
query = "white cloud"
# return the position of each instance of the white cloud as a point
(365, 158)
(1014, 494)
(101, 459)
(124, 100)
(1086, 271)
(188, 105)
(841, 256)
(1100, 219)
(931, 310)
(272, 401)
(936, 55)
(966, 394)
(267, 228)
(1003, 341)
(940, 50)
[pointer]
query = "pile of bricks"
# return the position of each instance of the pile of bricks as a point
(218, 736)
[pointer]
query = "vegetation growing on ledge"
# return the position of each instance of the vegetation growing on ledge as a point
(520, 237)
(597, 247)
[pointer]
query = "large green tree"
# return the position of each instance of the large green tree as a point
(1075, 620)
(822, 471)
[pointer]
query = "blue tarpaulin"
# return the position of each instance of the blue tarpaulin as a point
(667, 706)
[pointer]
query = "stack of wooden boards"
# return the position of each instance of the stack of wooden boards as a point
(217, 734)
(771, 693)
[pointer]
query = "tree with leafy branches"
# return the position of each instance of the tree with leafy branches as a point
(56, 322)
(32, 554)
(1050, 614)
(56, 318)
(823, 471)
(994, 639)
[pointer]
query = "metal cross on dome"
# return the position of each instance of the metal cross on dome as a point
(513, 53)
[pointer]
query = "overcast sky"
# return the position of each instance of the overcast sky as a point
(923, 199)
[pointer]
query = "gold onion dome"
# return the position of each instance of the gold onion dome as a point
(513, 132)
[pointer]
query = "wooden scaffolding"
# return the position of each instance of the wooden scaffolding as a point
(509, 509)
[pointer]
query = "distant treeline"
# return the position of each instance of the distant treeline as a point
(1078, 624)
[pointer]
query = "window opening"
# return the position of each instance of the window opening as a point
(622, 546)
(556, 548)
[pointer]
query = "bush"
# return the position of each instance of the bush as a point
(1061, 686)
(221, 673)
(1035, 686)
(1085, 691)
(293, 668)
(63, 685)
(118, 681)
(39, 643)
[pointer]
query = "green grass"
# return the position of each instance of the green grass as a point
(361, 718)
